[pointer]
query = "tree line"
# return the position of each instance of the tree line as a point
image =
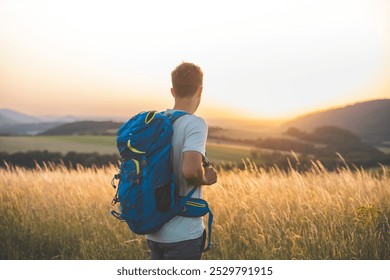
(331, 146)
(70, 159)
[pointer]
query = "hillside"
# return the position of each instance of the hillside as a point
(16, 123)
(5, 121)
(369, 120)
(27, 128)
(84, 128)
(17, 117)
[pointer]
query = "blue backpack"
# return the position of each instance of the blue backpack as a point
(146, 190)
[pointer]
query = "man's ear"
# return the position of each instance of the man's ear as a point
(200, 90)
(173, 92)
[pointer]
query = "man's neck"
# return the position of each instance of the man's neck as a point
(186, 104)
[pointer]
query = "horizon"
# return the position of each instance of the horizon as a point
(261, 60)
(228, 118)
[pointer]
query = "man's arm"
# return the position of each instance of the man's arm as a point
(194, 172)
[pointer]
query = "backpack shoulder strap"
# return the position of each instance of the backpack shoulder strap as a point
(175, 115)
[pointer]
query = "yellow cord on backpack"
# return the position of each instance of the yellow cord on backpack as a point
(134, 150)
(150, 116)
(136, 162)
(196, 204)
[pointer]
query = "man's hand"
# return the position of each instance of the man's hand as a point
(194, 172)
(210, 176)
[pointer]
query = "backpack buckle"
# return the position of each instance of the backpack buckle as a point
(115, 200)
(208, 248)
(116, 177)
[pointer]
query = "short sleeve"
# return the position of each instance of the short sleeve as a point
(195, 136)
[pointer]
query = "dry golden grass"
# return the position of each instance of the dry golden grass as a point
(55, 213)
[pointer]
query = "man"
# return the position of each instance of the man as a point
(184, 237)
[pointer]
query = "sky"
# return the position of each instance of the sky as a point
(261, 59)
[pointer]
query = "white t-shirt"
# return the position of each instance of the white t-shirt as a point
(189, 134)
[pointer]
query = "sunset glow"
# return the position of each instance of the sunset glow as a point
(261, 59)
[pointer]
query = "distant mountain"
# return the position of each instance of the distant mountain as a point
(369, 120)
(63, 119)
(27, 128)
(84, 128)
(18, 117)
(16, 123)
(4, 121)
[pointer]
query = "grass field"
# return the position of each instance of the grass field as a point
(62, 144)
(385, 150)
(55, 213)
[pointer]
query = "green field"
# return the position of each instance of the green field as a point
(226, 153)
(385, 150)
(63, 144)
(103, 145)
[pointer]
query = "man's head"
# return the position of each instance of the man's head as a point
(187, 80)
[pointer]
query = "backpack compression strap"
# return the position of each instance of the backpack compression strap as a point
(210, 222)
